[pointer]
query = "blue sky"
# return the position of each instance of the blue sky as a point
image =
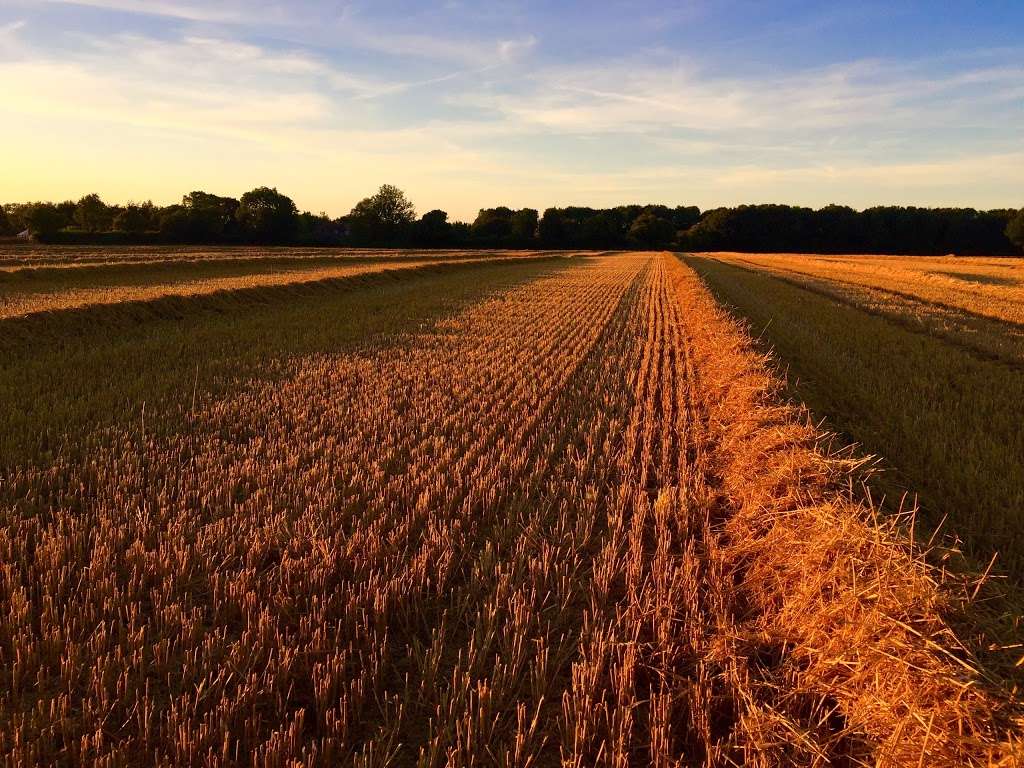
(470, 104)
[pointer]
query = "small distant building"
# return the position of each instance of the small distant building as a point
(24, 235)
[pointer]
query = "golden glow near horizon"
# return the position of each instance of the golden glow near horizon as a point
(465, 109)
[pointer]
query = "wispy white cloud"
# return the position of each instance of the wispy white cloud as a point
(347, 22)
(204, 86)
(634, 96)
(930, 174)
(178, 9)
(9, 43)
(509, 50)
(356, 32)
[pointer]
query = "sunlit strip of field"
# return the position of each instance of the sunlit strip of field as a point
(986, 287)
(947, 421)
(985, 336)
(569, 523)
(13, 258)
(57, 290)
(72, 373)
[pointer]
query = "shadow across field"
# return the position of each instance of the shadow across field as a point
(69, 374)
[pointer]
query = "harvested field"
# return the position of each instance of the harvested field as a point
(975, 302)
(990, 287)
(560, 517)
(48, 285)
(14, 257)
(933, 390)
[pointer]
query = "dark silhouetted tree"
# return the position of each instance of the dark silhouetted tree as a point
(652, 231)
(685, 216)
(211, 218)
(43, 219)
(605, 230)
(460, 234)
(212, 214)
(1015, 230)
(267, 216)
(134, 218)
(503, 227)
(524, 227)
(66, 209)
(554, 229)
(383, 219)
(493, 226)
(837, 227)
(433, 229)
(92, 214)
(320, 229)
(174, 225)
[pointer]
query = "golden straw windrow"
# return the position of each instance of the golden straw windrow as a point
(571, 524)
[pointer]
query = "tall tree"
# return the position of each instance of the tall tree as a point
(605, 230)
(174, 225)
(92, 214)
(382, 219)
(210, 217)
(320, 229)
(267, 216)
(685, 216)
(67, 209)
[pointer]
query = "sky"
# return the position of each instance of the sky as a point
(469, 104)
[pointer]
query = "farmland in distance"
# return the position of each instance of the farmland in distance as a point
(522, 510)
(918, 359)
(52, 279)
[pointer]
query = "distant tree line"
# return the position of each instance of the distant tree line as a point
(388, 219)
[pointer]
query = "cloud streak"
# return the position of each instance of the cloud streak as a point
(205, 12)
(645, 97)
